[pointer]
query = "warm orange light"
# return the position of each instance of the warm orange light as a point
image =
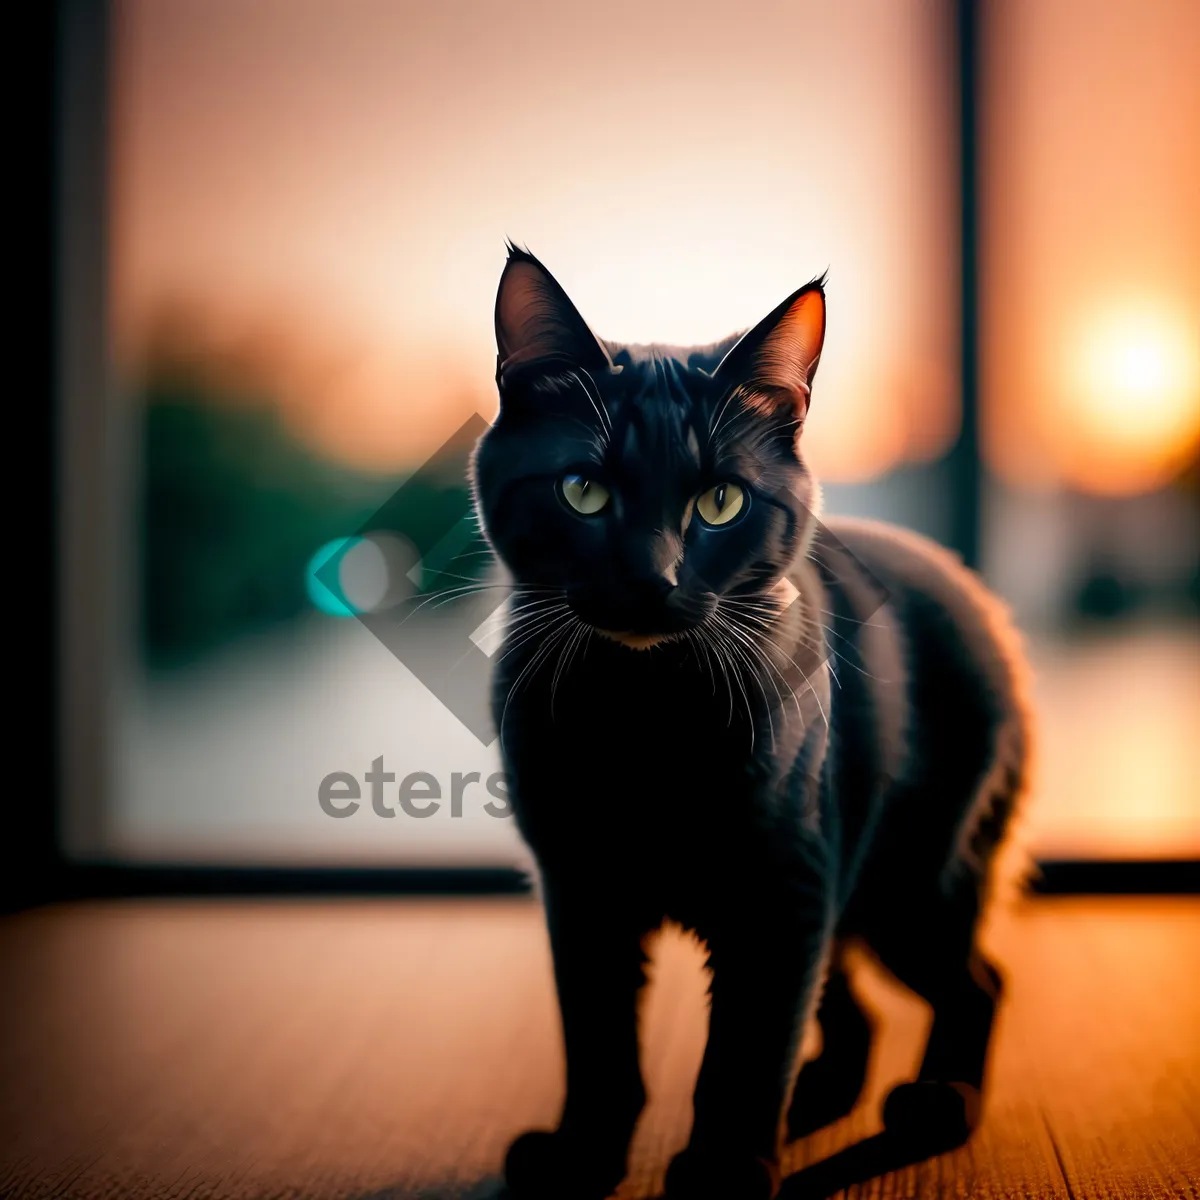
(353, 193)
(1090, 257)
(1131, 405)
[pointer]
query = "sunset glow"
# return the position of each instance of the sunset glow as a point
(1131, 400)
(1091, 244)
(345, 175)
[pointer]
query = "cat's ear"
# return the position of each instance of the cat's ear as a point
(776, 360)
(535, 320)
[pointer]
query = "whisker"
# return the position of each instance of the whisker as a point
(744, 637)
(729, 647)
(850, 662)
(703, 638)
(534, 628)
(517, 635)
(803, 675)
(596, 402)
(745, 654)
(565, 654)
(446, 595)
(850, 620)
(537, 657)
(693, 638)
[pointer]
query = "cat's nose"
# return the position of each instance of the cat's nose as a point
(652, 591)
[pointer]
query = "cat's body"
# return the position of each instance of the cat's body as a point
(780, 733)
(914, 640)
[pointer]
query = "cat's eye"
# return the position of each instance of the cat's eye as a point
(585, 496)
(720, 504)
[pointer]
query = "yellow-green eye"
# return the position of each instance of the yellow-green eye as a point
(719, 505)
(584, 495)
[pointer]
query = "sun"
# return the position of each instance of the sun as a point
(1130, 416)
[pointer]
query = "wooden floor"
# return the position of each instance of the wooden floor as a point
(391, 1049)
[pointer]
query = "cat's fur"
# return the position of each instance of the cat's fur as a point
(783, 734)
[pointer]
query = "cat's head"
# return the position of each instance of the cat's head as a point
(646, 482)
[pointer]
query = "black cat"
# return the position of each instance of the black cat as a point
(782, 734)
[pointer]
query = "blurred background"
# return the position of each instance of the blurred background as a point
(297, 213)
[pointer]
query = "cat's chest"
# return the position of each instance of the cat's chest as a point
(672, 743)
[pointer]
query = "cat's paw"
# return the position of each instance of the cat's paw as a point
(717, 1175)
(542, 1165)
(941, 1115)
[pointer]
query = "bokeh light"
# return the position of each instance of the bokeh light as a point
(322, 596)
(1131, 400)
(373, 573)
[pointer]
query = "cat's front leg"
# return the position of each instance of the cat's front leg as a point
(598, 968)
(765, 966)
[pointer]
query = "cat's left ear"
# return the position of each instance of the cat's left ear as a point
(776, 360)
(536, 322)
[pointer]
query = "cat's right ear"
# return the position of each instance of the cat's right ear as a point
(775, 362)
(536, 322)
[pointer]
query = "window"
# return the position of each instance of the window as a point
(306, 205)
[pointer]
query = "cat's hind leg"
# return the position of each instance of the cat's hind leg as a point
(829, 1085)
(929, 945)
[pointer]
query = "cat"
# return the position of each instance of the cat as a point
(789, 736)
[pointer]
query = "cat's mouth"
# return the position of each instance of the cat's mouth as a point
(643, 626)
(636, 641)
